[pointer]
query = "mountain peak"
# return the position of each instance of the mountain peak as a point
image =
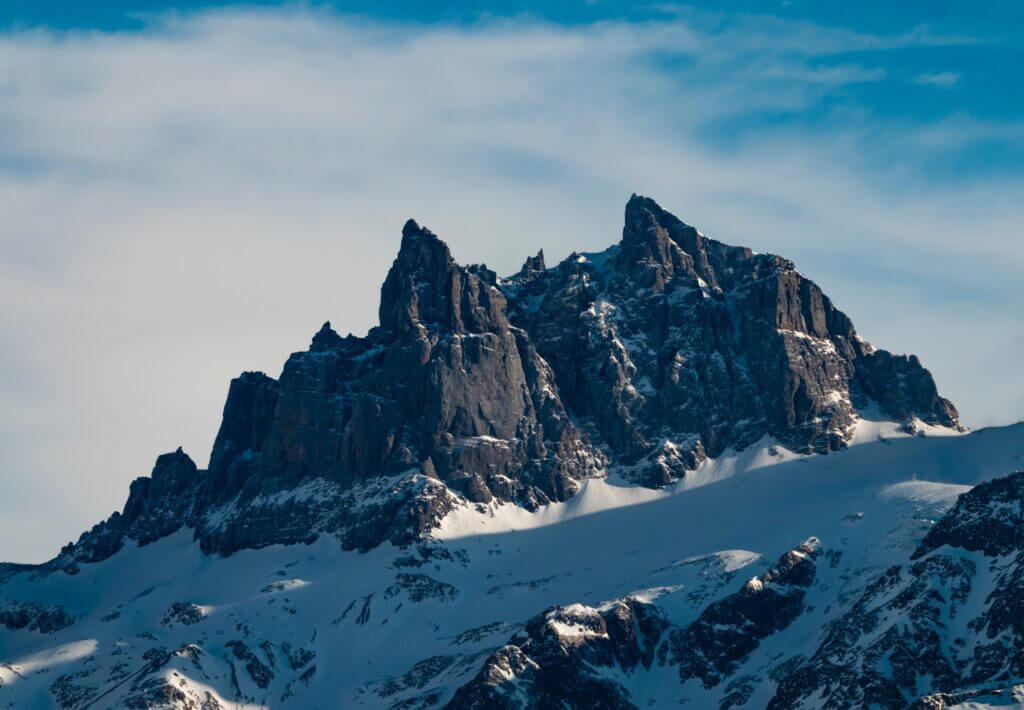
(650, 248)
(412, 229)
(680, 320)
(422, 254)
(639, 207)
(672, 349)
(174, 471)
(415, 286)
(326, 338)
(533, 265)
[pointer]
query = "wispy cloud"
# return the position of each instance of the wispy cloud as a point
(194, 199)
(946, 78)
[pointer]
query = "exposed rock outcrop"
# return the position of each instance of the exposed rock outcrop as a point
(925, 629)
(157, 506)
(34, 617)
(562, 656)
(674, 340)
(577, 655)
(728, 631)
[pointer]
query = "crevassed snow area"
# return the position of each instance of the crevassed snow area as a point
(388, 625)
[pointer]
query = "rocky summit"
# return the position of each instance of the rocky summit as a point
(644, 359)
(668, 472)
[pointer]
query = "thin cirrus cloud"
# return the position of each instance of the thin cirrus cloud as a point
(945, 78)
(193, 199)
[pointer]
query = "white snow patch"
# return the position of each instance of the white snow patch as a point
(286, 585)
(733, 560)
(837, 396)
(922, 429)
(595, 495)
(600, 494)
(650, 594)
(45, 660)
(924, 492)
(823, 344)
(867, 430)
(485, 439)
(574, 631)
(873, 425)
(766, 452)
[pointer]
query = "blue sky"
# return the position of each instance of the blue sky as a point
(189, 190)
(933, 61)
(975, 74)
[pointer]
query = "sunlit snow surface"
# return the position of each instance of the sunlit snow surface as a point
(369, 625)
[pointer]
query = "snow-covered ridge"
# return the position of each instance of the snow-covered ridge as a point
(614, 491)
(393, 624)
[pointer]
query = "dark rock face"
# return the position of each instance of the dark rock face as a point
(72, 690)
(926, 619)
(257, 670)
(576, 656)
(248, 415)
(183, 613)
(444, 390)
(560, 658)
(150, 686)
(665, 348)
(871, 656)
(671, 346)
(157, 506)
(419, 587)
(399, 510)
(727, 631)
(986, 518)
(34, 617)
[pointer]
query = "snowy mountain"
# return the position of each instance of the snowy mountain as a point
(670, 472)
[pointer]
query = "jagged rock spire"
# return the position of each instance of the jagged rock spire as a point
(418, 287)
(646, 250)
(244, 429)
(534, 265)
(426, 288)
(326, 338)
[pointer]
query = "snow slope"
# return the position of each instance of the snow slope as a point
(312, 626)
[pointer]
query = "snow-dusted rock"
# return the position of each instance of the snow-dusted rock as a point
(672, 336)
